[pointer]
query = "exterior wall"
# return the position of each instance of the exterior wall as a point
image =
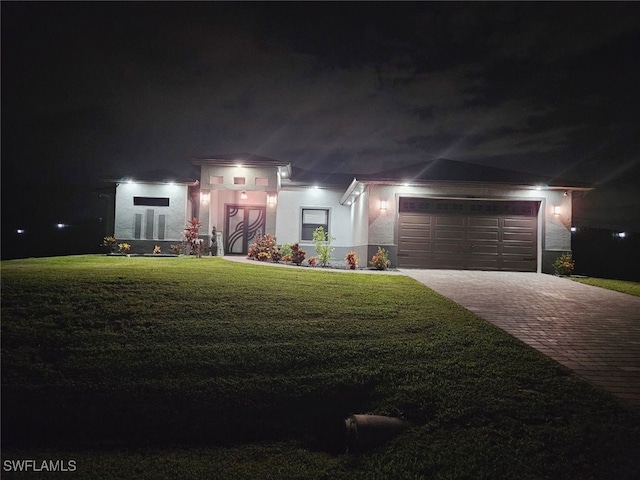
(557, 228)
(215, 196)
(359, 221)
(176, 213)
(554, 234)
(291, 201)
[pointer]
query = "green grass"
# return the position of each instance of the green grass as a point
(632, 288)
(201, 368)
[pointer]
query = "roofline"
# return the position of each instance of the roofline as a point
(352, 186)
(355, 184)
(467, 183)
(118, 181)
(249, 162)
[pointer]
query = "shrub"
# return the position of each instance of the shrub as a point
(111, 243)
(176, 248)
(286, 251)
(324, 249)
(311, 261)
(380, 260)
(564, 264)
(297, 254)
(192, 237)
(157, 250)
(286, 258)
(352, 260)
(124, 247)
(263, 248)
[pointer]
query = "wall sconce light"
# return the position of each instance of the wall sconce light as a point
(204, 197)
(243, 196)
(383, 204)
(557, 209)
(271, 200)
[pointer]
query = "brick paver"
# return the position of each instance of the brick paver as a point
(593, 331)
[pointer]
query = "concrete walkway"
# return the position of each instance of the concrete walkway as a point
(593, 331)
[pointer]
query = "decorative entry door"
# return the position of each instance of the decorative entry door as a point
(242, 224)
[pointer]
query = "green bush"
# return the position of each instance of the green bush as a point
(324, 248)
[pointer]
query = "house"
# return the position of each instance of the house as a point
(434, 214)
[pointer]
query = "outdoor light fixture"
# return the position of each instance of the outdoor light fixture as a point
(271, 200)
(20, 231)
(574, 229)
(204, 197)
(243, 196)
(60, 225)
(383, 204)
(621, 234)
(557, 209)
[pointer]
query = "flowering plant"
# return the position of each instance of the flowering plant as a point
(157, 250)
(352, 260)
(380, 260)
(564, 264)
(124, 247)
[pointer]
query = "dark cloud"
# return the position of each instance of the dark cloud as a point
(95, 88)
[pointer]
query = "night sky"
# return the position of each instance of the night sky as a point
(93, 90)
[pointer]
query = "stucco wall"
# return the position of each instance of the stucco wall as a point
(289, 215)
(228, 173)
(175, 214)
(215, 196)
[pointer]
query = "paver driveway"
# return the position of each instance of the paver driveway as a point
(593, 331)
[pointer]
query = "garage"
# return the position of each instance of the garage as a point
(468, 234)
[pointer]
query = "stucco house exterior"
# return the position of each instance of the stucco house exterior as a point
(434, 214)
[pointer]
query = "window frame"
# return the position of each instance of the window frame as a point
(310, 227)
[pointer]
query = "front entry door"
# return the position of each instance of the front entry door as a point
(242, 224)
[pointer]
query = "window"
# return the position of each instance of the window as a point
(215, 179)
(313, 218)
(137, 225)
(262, 181)
(238, 180)
(151, 201)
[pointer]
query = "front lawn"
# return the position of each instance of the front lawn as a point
(192, 368)
(632, 288)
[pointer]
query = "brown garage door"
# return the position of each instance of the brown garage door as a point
(467, 234)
